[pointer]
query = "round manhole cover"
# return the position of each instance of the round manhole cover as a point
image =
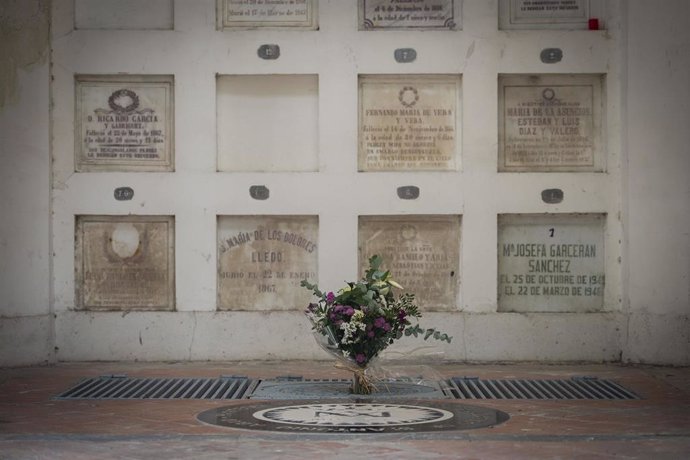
(353, 417)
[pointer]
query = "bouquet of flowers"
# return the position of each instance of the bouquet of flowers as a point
(363, 319)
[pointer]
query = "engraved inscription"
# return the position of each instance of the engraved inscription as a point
(124, 123)
(262, 259)
(551, 263)
(268, 13)
(550, 123)
(125, 262)
(422, 251)
(408, 123)
(549, 11)
(410, 14)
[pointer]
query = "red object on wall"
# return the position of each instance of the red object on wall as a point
(593, 24)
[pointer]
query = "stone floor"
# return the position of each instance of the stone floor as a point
(35, 426)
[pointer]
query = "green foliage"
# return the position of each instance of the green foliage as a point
(364, 317)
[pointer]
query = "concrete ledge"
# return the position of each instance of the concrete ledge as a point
(26, 340)
(658, 339)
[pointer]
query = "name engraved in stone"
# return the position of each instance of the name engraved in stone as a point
(124, 123)
(408, 14)
(551, 263)
(408, 123)
(262, 260)
(125, 262)
(550, 123)
(422, 251)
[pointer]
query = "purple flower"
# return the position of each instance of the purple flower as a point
(379, 322)
(401, 314)
(330, 297)
(360, 358)
(386, 327)
(371, 334)
(349, 311)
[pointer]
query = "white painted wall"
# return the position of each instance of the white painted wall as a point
(657, 190)
(26, 325)
(644, 192)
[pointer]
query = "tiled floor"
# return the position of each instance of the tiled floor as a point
(32, 425)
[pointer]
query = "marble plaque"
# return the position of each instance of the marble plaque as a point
(124, 123)
(123, 14)
(298, 14)
(422, 253)
(550, 123)
(263, 259)
(549, 14)
(550, 263)
(125, 263)
(409, 123)
(415, 14)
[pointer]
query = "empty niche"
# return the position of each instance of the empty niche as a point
(551, 262)
(263, 259)
(267, 122)
(421, 251)
(123, 14)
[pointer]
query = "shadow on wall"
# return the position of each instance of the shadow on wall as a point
(24, 40)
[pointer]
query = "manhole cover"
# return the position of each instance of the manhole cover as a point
(275, 389)
(344, 416)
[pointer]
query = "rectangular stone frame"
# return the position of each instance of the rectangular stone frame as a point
(568, 14)
(429, 15)
(426, 264)
(404, 132)
(285, 104)
(282, 19)
(125, 117)
(548, 132)
(124, 15)
(254, 253)
(551, 262)
(115, 247)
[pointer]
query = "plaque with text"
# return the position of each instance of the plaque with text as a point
(296, 14)
(123, 14)
(548, 14)
(409, 123)
(263, 259)
(124, 123)
(551, 263)
(550, 123)
(125, 263)
(422, 253)
(416, 14)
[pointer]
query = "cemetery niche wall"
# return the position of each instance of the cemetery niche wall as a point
(419, 131)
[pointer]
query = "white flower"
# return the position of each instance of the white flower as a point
(350, 329)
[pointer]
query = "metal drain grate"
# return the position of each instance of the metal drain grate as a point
(290, 387)
(123, 387)
(573, 388)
